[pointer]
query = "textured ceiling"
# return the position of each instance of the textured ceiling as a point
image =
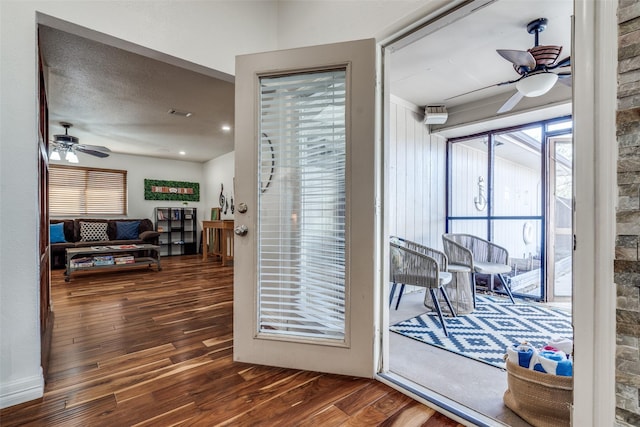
(121, 100)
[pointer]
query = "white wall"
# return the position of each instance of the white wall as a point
(140, 168)
(313, 22)
(216, 172)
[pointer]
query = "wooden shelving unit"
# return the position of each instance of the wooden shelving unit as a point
(178, 230)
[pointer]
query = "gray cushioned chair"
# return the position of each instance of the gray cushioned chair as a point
(471, 253)
(417, 265)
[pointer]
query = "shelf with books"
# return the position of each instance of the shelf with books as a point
(178, 228)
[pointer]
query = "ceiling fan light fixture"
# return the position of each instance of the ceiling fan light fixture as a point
(71, 157)
(54, 155)
(536, 84)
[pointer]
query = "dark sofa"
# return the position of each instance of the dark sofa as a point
(71, 227)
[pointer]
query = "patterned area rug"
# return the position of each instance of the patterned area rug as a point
(485, 333)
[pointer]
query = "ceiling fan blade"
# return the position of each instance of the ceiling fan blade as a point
(93, 147)
(520, 58)
(564, 62)
(92, 152)
(483, 88)
(511, 102)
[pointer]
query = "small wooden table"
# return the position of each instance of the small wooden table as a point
(222, 239)
(151, 252)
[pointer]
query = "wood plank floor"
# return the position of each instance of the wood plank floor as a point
(138, 347)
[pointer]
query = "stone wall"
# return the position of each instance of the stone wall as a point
(627, 257)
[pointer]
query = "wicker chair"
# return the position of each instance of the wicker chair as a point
(471, 253)
(413, 264)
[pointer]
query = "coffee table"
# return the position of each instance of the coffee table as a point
(151, 256)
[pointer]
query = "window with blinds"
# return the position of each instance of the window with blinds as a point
(75, 191)
(301, 226)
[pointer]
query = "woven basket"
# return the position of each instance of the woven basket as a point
(543, 400)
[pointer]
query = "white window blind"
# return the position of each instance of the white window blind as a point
(87, 191)
(301, 229)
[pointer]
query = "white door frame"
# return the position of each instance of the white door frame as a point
(595, 184)
(594, 61)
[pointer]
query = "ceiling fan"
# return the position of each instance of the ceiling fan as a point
(535, 66)
(67, 145)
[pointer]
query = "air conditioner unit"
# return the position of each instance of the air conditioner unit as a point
(435, 115)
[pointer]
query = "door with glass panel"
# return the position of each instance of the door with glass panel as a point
(305, 223)
(560, 224)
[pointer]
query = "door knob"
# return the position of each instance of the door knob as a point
(241, 230)
(242, 207)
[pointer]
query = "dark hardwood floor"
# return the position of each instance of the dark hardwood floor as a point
(138, 347)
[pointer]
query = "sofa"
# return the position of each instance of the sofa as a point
(83, 232)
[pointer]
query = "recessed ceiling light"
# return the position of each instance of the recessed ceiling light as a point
(180, 113)
(226, 128)
(182, 153)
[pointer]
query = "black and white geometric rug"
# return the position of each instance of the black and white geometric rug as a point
(494, 325)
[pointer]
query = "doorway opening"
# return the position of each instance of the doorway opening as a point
(506, 178)
(99, 104)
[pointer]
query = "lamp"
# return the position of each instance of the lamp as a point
(55, 155)
(536, 84)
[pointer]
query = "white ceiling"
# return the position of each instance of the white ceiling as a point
(462, 56)
(120, 99)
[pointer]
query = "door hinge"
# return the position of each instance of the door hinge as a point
(574, 242)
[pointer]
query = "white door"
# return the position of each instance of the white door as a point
(305, 168)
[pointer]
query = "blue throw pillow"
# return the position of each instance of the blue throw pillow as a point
(127, 230)
(56, 233)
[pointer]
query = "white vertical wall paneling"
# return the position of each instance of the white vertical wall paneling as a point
(392, 173)
(421, 222)
(467, 165)
(413, 201)
(439, 188)
(424, 155)
(516, 193)
(416, 177)
(401, 170)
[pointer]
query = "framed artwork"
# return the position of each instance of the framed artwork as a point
(155, 189)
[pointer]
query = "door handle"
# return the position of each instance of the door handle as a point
(241, 230)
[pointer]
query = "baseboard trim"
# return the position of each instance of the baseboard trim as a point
(21, 390)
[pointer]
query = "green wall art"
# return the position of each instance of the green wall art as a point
(155, 189)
